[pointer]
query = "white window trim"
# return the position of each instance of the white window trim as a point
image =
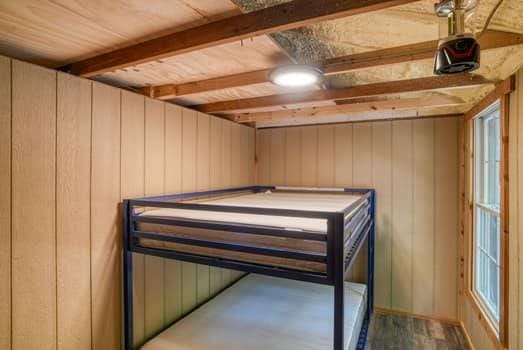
(489, 316)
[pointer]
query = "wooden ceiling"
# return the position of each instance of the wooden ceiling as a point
(215, 55)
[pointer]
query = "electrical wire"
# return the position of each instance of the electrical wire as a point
(489, 18)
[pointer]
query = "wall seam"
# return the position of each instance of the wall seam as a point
(434, 226)
(56, 206)
(11, 66)
(90, 213)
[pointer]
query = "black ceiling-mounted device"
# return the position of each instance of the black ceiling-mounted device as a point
(458, 52)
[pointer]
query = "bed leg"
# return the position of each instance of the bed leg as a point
(339, 280)
(128, 279)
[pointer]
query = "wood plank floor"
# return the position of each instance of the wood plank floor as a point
(401, 332)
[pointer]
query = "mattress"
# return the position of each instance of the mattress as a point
(280, 200)
(261, 313)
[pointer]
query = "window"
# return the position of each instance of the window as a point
(486, 283)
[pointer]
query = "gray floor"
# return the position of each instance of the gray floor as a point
(400, 332)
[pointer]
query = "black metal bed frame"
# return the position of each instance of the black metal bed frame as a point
(340, 256)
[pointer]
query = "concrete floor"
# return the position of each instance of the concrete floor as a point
(405, 333)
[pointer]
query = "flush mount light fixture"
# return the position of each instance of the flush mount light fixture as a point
(296, 75)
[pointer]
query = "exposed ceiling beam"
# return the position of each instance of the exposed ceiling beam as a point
(378, 105)
(294, 14)
(376, 89)
(490, 40)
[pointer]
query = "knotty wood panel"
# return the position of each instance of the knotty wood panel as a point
(251, 156)
(423, 217)
(326, 153)
(397, 159)
(154, 185)
(343, 155)
(381, 177)
(309, 156)
(73, 234)
(5, 203)
(203, 284)
(132, 172)
(516, 215)
(105, 218)
(173, 184)
(446, 239)
(33, 191)
(402, 183)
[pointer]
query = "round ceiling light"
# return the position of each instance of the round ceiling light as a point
(297, 75)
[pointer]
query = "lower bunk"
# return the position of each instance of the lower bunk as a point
(263, 312)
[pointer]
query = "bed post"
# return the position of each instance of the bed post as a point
(128, 277)
(370, 256)
(338, 268)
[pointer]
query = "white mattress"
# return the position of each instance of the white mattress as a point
(278, 200)
(266, 313)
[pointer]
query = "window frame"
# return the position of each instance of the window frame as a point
(498, 330)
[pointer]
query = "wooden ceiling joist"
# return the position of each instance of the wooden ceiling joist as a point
(328, 111)
(294, 14)
(376, 89)
(492, 39)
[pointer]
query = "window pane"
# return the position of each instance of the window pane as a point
(487, 194)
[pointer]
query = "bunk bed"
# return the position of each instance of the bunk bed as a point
(296, 245)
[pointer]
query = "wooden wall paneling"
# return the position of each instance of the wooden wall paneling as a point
(189, 184)
(402, 201)
(236, 170)
(203, 184)
(244, 155)
(105, 218)
(516, 215)
(215, 173)
(132, 172)
(263, 156)
(461, 214)
(226, 174)
(33, 191)
(154, 185)
(343, 155)
(5, 203)
(363, 151)
(423, 218)
(372, 147)
(173, 184)
(215, 153)
(226, 153)
(446, 226)
(326, 151)
(251, 155)
(73, 235)
(292, 156)
(309, 156)
(235, 154)
(277, 156)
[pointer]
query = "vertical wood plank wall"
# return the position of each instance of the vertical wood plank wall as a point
(413, 166)
(470, 318)
(70, 150)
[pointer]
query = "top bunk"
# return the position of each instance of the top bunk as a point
(291, 232)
